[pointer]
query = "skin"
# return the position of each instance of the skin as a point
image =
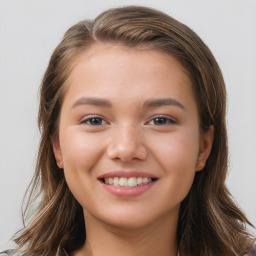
(128, 136)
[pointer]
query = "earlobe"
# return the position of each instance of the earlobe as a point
(57, 151)
(206, 140)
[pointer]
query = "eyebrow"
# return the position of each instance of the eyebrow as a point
(163, 102)
(99, 102)
(93, 101)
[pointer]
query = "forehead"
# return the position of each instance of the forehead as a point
(120, 54)
(110, 70)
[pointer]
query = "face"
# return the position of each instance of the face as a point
(129, 139)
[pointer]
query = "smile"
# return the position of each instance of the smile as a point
(127, 182)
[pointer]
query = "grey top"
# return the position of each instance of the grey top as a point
(252, 252)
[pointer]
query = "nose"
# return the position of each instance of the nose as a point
(126, 144)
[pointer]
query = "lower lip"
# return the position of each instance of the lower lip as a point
(128, 191)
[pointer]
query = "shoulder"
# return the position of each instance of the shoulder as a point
(252, 251)
(11, 253)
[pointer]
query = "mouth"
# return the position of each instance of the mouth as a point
(128, 182)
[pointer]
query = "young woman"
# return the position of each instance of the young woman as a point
(133, 153)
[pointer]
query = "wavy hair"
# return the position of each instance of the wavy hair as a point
(210, 223)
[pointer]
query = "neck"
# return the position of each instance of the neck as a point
(158, 238)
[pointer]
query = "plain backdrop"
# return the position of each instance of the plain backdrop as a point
(29, 32)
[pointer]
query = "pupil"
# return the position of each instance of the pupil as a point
(96, 121)
(160, 121)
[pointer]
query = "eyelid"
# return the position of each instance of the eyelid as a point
(88, 117)
(171, 119)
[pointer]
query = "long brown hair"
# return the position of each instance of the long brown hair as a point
(209, 222)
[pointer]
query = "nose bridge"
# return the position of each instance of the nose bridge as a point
(126, 143)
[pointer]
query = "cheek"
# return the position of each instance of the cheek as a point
(80, 155)
(179, 148)
(79, 148)
(177, 155)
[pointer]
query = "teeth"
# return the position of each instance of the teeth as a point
(144, 180)
(123, 182)
(139, 181)
(132, 182)
(115, 181)
(127, 182)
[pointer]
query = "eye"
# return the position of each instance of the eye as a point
(161, 120)
(94, 121)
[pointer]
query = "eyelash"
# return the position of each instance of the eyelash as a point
(90, 119)
(167, 121)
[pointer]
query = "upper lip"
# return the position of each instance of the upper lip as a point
(127, 174)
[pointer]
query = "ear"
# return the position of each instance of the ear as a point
(205, 146)
(57, 151)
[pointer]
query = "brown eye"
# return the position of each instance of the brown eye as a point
(162, 121)
(94, 121)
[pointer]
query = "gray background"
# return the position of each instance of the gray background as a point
(30, 30)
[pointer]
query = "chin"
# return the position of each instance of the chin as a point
(129, 218)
